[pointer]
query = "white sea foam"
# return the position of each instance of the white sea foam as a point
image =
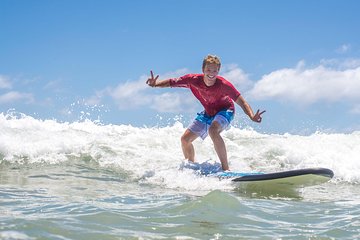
(153, 155)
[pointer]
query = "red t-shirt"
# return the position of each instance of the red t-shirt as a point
(214, 98)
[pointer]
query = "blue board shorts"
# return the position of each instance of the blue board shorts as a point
(200, 126)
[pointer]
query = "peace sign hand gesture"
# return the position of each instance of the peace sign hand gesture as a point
(257, 117)
(152, 80)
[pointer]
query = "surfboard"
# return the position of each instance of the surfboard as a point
(292, 178)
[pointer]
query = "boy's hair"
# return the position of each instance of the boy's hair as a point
(211, 59)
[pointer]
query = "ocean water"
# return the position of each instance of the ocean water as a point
(84, 180)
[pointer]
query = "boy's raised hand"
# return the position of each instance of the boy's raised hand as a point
(152, 80)
(257, 117)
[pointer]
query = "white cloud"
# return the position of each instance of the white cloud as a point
(307, 86)
(131, 94)
(4, 83)
(13, 96)
(128, 89)
(174, 102)
(236, 76)
(340, 64)
(166, 102)
(16, 96)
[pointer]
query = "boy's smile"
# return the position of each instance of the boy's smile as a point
(210, 73)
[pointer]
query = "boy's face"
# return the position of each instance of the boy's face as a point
(211, 70)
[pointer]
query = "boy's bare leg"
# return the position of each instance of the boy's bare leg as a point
(186, 143)
(219, 144)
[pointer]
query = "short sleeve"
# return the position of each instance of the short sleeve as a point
(181, 81)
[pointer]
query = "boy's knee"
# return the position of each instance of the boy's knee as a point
(188, 137)
(214, 129)
(185, 139)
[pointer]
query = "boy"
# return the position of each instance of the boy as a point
(217, 96)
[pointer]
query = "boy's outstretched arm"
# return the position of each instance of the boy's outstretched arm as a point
(152, 81)
(247, 109)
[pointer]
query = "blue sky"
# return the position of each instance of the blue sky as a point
(70, 60)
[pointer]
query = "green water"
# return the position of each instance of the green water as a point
(82, 201)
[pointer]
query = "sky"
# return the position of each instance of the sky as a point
(89, 59)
